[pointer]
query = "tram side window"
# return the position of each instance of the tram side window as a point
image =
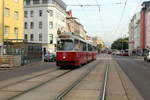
(77, 45)
(89, 47)
(84, 47)
(93, 48)
(81, 46)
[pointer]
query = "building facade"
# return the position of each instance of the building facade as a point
(134, 34)
(44, 20)
(145, 27)
(137, 31)
(83, 32)
(74, 26)
(11, 21)
(131, 35)
(98, 41)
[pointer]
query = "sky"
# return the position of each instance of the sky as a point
(110, 22)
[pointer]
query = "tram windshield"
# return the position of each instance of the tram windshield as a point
(65, 45)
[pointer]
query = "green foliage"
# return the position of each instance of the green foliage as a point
(120, 44)
(99, 46)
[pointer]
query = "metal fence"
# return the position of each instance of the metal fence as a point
(29, 52)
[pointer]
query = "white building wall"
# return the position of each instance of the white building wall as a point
(131, 36)
(48, 34)
(137, 31)
(36, 19)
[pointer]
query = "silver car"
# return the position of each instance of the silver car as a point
(147, 57)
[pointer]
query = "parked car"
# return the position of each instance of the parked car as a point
(125, 54)
(147, 57)
(49, 57)
(113, 53)
(118, 53)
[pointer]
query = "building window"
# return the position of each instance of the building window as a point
(31, 37)
(6, 11)
(31, 25)
(16, 1)
(6, 30)
(25, 14)
(40, 25)
(51, 38)
(40, 13)
(31, 13)
(50, 13)
(16, 15)
(26, 37)
(50, 25)
(27, 2)
(45, 1)
(25, 25)
(36, 1)
(40, 37)
(16, 30)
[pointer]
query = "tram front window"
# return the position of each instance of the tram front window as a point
(65, 45)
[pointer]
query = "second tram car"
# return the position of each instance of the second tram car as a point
(72, 50)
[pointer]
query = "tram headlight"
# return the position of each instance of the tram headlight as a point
(64, 57)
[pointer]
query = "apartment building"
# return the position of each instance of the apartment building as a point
(146, 18)
(134, 34)
(11, 21)
(74, 26)
(145, 27)
(44, 20)
(97, 40)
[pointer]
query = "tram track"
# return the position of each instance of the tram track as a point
(73, 85)
(51, 83)
(51, 72)
(104, 93)
(28, 78)
(34, 87)
(55, 93)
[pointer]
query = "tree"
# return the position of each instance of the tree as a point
(99, 47)
(120, 44)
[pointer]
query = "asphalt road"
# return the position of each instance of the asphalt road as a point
(28, 69)
(138, 72)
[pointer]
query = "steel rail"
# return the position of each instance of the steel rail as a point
(34, 87)
(103, 97)
(66, 91)
(32, 77)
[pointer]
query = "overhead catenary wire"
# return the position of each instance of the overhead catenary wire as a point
(93, 5)
(82, 10)
(122, 14)
(138, 5)
(99, 9)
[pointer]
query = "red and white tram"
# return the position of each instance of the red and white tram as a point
(72, 50)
